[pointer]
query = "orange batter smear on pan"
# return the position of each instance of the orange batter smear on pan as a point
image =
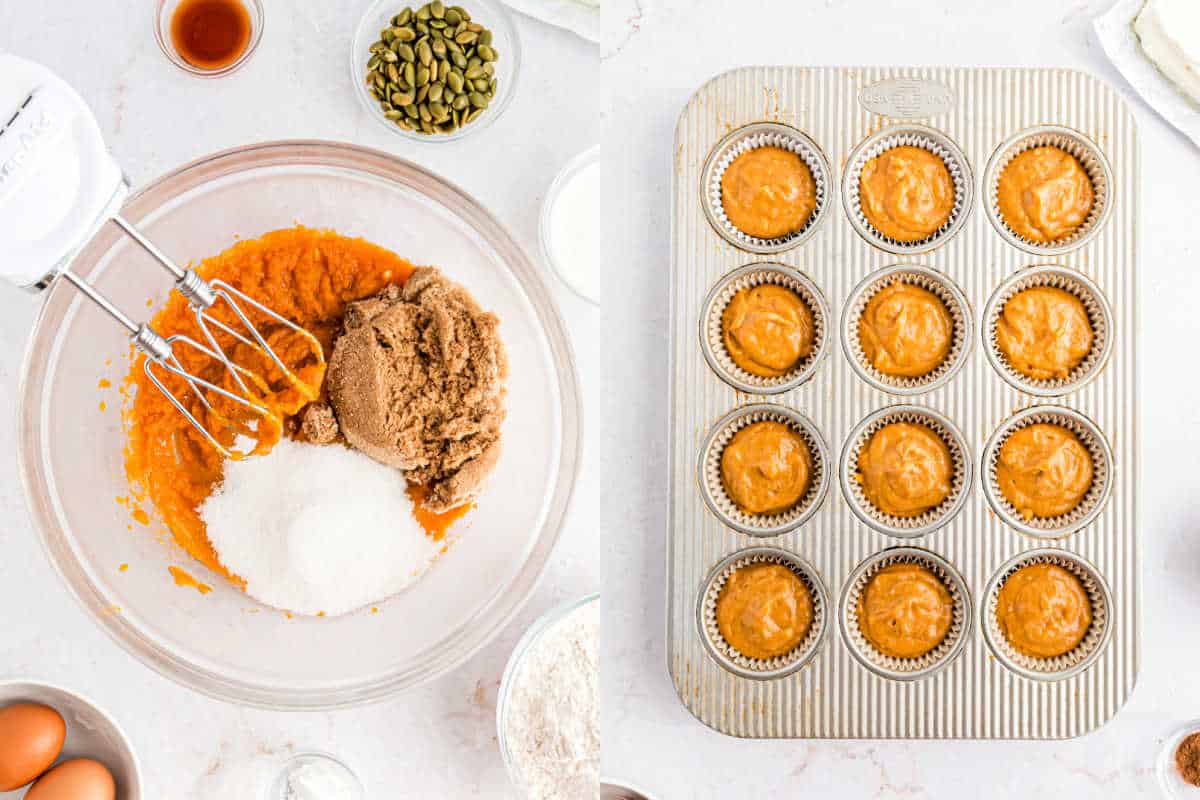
(306, 275)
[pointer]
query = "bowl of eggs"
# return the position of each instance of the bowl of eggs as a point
(55, 744)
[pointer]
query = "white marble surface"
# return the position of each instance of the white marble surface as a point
(657, 52)
(436, 741)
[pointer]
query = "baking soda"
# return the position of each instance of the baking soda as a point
(316, 529)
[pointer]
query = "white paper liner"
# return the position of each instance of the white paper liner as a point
(724, 653)
(1089, 507)
(1099, 315)
(1069, 663)
(935, 659)
(952, 298)
(765, 134)
(1090, 158)
(934, 518)
(713, 488)
(713, 342)
(929, 139)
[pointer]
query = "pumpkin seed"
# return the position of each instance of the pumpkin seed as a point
(432, 70)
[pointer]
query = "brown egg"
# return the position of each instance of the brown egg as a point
(77, 779)
(31, 737)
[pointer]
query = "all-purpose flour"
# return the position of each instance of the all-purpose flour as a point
(316, 529)
(552, 724)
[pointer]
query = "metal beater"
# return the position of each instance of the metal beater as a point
(58, 185)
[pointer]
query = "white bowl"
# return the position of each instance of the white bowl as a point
(91, 733)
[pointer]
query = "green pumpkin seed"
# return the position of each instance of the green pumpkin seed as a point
(475, 26)
(452, 16)
(460, 102)
(423, 13)
(406, 34)
(387, 35)
(436, 25)
(411, 111)
(477, 100)
(394, 114)
(438, 9)
(489, 69)
(422, 76)
(466, 37)
(403, 17)
(435, 91)
(455, 80)
(485, 37)
(473, 72)
(424, 53)
(389, 56)
(439, 48)
(406, 52)
(402, 99)
(486, 52)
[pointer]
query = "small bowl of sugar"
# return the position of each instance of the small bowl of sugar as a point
(570, 225)
(548, 709)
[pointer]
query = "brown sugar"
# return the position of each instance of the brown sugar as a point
(417, 382)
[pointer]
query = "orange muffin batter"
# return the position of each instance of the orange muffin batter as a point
(1044, 332)
(904, 611)
(907, 193)
(307, 276)
(1044, 194)
(766, 468)
(767, 329)
(1043, 470)
(1043, 611)
(905, 331)
(905, 469)
(764, 610)
(768, 192)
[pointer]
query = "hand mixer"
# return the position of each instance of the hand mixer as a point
(58, 187)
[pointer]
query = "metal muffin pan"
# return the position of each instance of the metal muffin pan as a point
(972, 694)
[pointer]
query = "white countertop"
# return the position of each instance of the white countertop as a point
(658, 52)
(436, 741)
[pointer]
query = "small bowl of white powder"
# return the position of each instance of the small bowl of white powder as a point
(570, 225)
(548, 710)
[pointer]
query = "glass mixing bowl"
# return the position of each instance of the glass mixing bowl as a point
(223, 643)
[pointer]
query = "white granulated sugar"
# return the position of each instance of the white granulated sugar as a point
(317, 529)
(552, 723)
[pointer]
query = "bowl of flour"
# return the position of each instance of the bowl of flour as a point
(548, 710)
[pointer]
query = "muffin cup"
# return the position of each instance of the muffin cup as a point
(712, 488)
(1092, 503)
(1090, 157)
(1068, 664)
(712, 343)
(764, 134)
(754, 668)
(950, 295)
(913, 135)
(1099, 315)
(905, 669)
(934, 518)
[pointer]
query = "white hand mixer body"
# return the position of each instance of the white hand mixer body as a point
(58, 186)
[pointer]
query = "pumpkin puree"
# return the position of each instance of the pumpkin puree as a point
(306, 275)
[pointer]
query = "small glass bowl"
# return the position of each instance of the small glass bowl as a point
(1169, 781)
(279, 788)
(492, 14)
(162, 33)
(515, 661)
(573, 168)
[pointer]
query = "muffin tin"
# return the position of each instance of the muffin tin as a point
(973, 687)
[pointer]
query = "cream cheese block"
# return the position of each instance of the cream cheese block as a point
(1169, 32)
